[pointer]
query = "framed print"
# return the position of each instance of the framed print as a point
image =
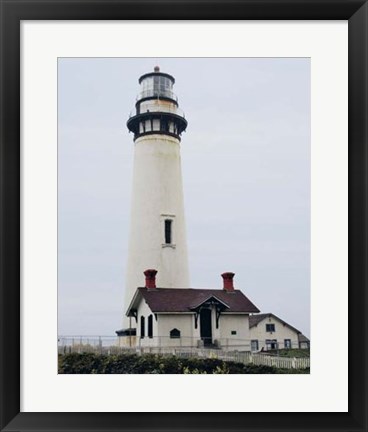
(60, 60)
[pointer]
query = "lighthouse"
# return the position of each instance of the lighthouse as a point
(157, 238)
(161, 309)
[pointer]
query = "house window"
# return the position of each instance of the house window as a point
(254, 345)
(233, 332)
(168, 231)
(175, 334)
(142, 327)
(270, 328)
(287, 343)
(150, 326)
(271, 344)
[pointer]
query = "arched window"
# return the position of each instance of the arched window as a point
(142, 327)
(150, 326)
(175, 334)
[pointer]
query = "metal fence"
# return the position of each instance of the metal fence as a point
(110, 345)
(158, 108)
(232, 343)
(157, 94)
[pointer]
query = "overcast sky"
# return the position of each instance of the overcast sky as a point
(246, 174)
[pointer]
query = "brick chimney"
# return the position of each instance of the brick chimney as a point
(228, 281)
(150, 278)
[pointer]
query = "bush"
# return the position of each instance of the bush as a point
(292, 352)
(88, 363)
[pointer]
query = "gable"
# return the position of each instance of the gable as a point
(260, 320)
(209, 301)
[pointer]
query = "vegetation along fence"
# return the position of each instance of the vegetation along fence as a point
(107, 346)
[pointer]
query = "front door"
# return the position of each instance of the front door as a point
(206, 326)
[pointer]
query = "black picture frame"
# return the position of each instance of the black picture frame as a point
(12, 12)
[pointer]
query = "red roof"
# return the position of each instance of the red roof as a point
(187, 299)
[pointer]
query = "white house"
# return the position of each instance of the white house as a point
(189, 317)
(267, 331)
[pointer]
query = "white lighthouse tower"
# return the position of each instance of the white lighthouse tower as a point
(157, 231)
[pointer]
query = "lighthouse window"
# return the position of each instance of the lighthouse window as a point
(162, 86)
(156, 85)
(168, 229)
(164, 126)
(155, 125)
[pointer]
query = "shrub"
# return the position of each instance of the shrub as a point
(88, 363)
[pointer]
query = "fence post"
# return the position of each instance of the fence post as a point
(293, 363)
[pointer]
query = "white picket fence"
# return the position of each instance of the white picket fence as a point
(242, 357)
(225, 355)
